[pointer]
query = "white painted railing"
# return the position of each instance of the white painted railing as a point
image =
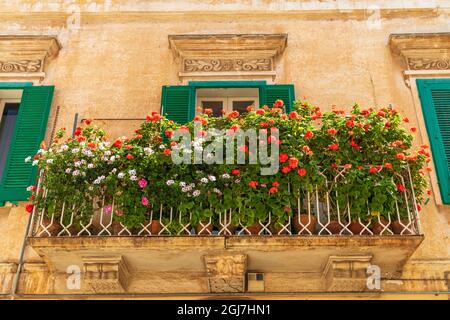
(317, 213)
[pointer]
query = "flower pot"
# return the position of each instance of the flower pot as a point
(227, 231)
(204, 228)
(277, 229)
(154, 226)
(397, 228)
(357, 228)
(116, 228)
(52, 227)
(255, 228)
(334, 227)
(379, 226)
(307, 223)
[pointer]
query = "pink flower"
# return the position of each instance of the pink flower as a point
(144, 201)
(107, 209)
(142, 183)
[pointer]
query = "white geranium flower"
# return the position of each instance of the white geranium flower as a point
(226, 176)
(75, 150)
(114, 170)
(182, 184)
(112, 159)
(212, 178)
(49, 161)
(35, 162)
(170, 182)
(76, 172)
(162, 147)
(237, 180)
(185, 189)
(204, 180)
(107, 153)
(77, 164)
(41, 151)
(27, 159)
(149, 151)
(121, 175)
(83, 161)
(217, 191)
(196, 193)
(90, 165)
(132, 172)
(29, 188)
(68, 170)
(133, 178)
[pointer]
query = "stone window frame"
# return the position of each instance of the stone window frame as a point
(423, 56)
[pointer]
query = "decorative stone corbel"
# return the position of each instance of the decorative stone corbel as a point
(106, 274)
(26, 56)
(226, 273)
(346, 273)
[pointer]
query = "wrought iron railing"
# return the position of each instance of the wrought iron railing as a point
(317, 213)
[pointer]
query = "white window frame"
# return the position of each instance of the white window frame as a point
(227, 102)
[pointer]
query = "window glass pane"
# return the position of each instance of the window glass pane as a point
(216, 107)
(7, 124)
(241, 105)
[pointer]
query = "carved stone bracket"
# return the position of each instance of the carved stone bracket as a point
(106, 274)
(424, 54)
(226, 273)
(227, 55)
(346, 273)
(26, 56)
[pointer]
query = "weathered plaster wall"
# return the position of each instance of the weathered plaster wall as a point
(114, 63)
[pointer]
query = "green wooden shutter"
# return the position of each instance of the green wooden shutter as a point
(29, 131)
(284, 92)
(435, 99)
(177, 103)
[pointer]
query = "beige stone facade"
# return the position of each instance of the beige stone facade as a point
(109, 59)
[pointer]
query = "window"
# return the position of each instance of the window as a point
(22, 128)
(435, 99)
(179, 103)
(227, 99)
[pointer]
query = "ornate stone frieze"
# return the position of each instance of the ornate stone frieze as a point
(106, 274)
(428, 64)
(229, 55)
(26, 56)
(226, 273)
(217, 65)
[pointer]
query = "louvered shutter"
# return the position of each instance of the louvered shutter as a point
(435, 100)
(284, 92)
(29, 131)
(177, 103)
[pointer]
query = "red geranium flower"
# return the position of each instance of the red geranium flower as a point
(413, 129)
(129, 156)
(168, 133)
(260, 111)
(128, 147)
(350, 123)
(333, 147)
(381, 113)
(275, 184)
(405, 119)
(263, 124)
(400, 156)
(293, 115)
(167, 152)
(92, 145)
(235, 172)
(278, 103)
(373, 170)
(293, 162)
(117, 144)
(285, 169)
(388, 165)
(273, 190)
(283, 157)
(401, 188)
(332, 131)
(29, 207)
(253, 184)
(88, 121)
(301, 172)
(309, 134)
